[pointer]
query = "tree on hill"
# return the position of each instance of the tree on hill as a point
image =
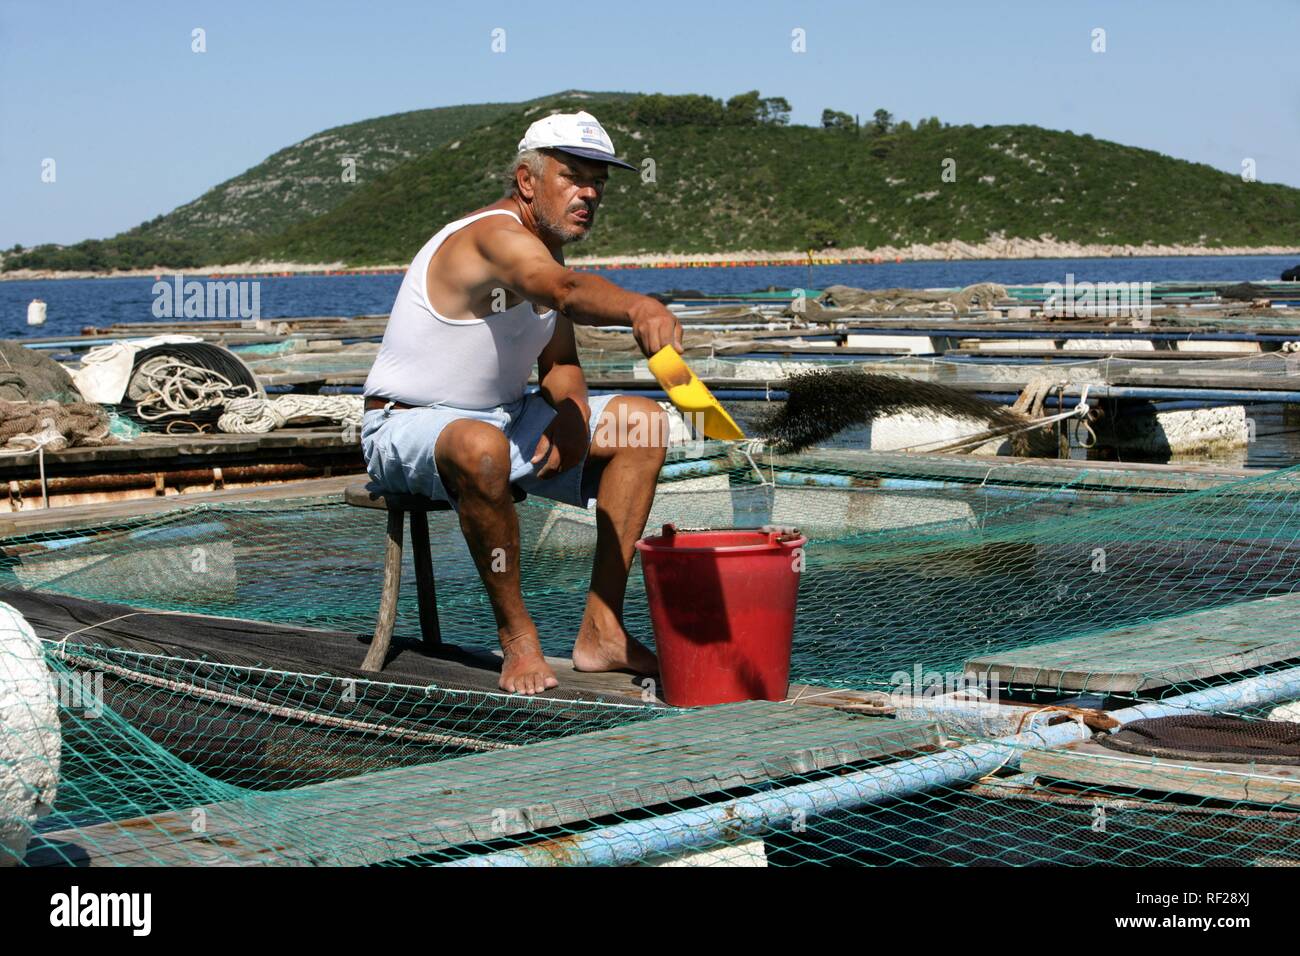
(882, 122)
(751, 109)
(691, 109)
(834, 119)
(774, 111)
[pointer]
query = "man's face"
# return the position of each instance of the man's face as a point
(566, 199)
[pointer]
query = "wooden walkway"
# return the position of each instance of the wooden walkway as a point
(71, 517)
(1079, 475)
(1196, 646)
(395, 814)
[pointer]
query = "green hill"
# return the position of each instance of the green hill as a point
(790, 188)
(723, 181)
(295, 184)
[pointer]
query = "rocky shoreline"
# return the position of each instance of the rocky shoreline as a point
(990, 249)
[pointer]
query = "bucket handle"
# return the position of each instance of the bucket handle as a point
(776, 533)
(780, 533)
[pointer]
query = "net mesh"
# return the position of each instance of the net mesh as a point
(1073, 594)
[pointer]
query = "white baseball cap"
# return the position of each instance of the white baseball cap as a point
(577, 133)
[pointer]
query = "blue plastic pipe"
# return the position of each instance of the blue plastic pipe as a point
(736, 820)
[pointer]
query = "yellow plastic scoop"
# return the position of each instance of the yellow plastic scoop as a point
(691, 396)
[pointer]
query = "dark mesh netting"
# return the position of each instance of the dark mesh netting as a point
(1211, 738)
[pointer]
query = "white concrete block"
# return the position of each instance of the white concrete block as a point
(1101, 345)
(1183, 432)
(1244, 348)
(915, 344)
(906, 430)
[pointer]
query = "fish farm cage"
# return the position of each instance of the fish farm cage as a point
(972, 639)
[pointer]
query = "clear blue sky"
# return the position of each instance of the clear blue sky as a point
(138, 124)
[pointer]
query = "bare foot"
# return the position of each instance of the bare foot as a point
(524, 670)
(610, 648)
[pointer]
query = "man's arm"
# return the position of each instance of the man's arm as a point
(559, 374)
(522, 264)
(561, 383)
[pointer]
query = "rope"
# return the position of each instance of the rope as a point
(246, 416)
(280, 710)
(1095, 720)
(1079, 411)
(749, 447)
(167, 386)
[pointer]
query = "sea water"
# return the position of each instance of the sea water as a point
(74, 303)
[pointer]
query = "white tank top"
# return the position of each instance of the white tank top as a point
(428, 359)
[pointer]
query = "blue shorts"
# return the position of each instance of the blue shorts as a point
(398, 448)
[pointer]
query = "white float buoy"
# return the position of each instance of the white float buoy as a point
(29, 734)
(36, 312)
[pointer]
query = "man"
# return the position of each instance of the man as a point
(446, 414)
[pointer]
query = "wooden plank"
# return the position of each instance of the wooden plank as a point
(1077, 355)
(71, 517)
(404, 812)
(272, 379)
(154, 446)
(633, 688)
(1238, 382)
(1088, 762)
(1079, 474)
(469, 668)
(1188, 647)
(1001, 386)
(814, 351)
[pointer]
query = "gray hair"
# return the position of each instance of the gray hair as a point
(533, 159)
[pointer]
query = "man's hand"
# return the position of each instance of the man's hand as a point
(654, 327)
(564, 443)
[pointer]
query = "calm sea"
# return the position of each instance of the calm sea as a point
(74, 303)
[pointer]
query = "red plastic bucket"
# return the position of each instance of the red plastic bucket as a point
(722, 604)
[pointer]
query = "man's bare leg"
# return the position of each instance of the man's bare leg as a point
(633, 445)
(473, 460)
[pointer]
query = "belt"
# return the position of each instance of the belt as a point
(375, 402)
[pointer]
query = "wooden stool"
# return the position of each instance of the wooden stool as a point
(364, 494)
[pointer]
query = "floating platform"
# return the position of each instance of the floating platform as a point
(432, 808)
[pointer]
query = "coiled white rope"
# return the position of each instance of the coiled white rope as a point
(247, 416)
(166, 386)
